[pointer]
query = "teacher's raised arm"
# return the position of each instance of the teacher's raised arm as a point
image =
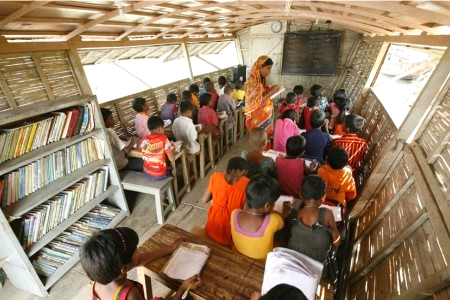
(258, 105)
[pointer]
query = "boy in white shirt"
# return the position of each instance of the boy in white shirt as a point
(184, 129)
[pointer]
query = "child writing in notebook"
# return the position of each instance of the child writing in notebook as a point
(253, 228)
(109, 254)
(227, 190)
(257, 162)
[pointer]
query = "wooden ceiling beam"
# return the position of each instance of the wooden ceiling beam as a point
(89, 54)
(124, 54)
(171, 53)
(104, 56)
(22, 11)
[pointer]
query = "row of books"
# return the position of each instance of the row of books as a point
(46, 216)
(20, 138)
(63, 247)
(20, 183)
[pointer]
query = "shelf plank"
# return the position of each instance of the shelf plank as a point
(49, 236)
(28, 158)
(17, 209)
(49, 281)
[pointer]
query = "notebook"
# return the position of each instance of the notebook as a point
(336, 210)
(279, 203)
(280, 90)
(187, 261)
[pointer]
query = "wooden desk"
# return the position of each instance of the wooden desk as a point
(226, 275)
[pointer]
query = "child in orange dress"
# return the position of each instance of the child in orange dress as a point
(227, 190)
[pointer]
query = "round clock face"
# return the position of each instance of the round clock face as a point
(276, 26)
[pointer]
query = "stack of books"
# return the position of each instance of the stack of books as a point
(63, 247)
(43, 218)
(20, 138)
(23, 181)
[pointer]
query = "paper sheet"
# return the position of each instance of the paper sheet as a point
(186, 261)
(280, 90)
(279, 203)
(273, 154)
(336, 210)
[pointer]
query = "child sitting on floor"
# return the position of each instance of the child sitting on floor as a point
(312, 105)
(253, 228)
(257, 162)
(301, 100)
(140, 122)
(289, 104)
(207, 116)
(155, 147)
(284, 129)
(339, 109)
(291, 169)
(227, 190)
(316, 92)
(109, 254)
(317, 141)
(184, 129)
(169, 109)
(119, 147)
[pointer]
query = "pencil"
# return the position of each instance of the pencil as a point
(187, 290)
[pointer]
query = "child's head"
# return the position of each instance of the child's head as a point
(237, 165)
(239, 85)
(316, 91)
(295, 146)
(105, 256)
(172, 98)
(228, 90)
(206, 80)
(209, 87)
(354, 123)
(289, 114)
(186, 95)
(339, 95)
(222, 80)
(284, 291)
(313, 188)
(313, 102)
(258, 137)
(291, 97)
(193, 88)
(139, 104)
(108, 118)
(262, 191)
(337, 158)
(155, 124)
(317, 118)
(205, 99)
(298, 89)
(186, 108)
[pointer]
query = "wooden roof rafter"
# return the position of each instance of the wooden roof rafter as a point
(24, 10)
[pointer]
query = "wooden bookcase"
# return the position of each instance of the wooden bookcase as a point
(19, 267)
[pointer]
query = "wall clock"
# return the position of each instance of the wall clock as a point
(276, 26)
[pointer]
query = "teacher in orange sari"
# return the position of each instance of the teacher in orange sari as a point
(258, 105)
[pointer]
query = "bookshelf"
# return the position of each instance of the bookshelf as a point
(86, 177)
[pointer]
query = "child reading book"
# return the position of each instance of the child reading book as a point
(285, 127)
(227, 190)
(140, 122)
(109, 254)
(253, 228)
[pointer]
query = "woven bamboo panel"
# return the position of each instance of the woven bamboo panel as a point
(36, 77)
(442, 170)
(442, 295)
(393, 185)
(415, 259)
(408, 207)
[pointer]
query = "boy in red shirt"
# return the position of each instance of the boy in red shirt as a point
(155, 147)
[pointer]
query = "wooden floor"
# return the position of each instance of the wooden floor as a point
(189, 214)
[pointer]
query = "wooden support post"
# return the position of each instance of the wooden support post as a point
(7, 92)
(78, 70)
(208, 62)
(43, 76)
(376, 66)
(188, 61)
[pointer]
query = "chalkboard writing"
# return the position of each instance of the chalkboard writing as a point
(311, 53)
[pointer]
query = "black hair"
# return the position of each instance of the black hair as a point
(354, 123)
(222, 80)
(289, 113)
(337, 158)
(186, 106)
(205, 99)
(343, 103)
(312, 102)
(313, 187)
(209, 86)
(291, 97)
(186, 95)
(268, 62)
(317, 118)
(206, 79)
(138, 103)
(171, 97)
(154, 122)
(298, 89)
(227, 89)
(237, 163)
(106, 113)
(295, 146)
(239, 85)
(193, 88)
(315, 90)
(261, 190)
(106, 252)
(284, 291)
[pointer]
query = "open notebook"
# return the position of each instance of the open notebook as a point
(279, 203)
(288, 266)
(188, 260)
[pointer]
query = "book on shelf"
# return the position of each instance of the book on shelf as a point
(188, 260)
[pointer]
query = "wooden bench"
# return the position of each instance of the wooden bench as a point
(138, 182)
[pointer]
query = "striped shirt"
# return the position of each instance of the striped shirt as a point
(355, 146)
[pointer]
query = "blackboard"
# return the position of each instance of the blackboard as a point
(311, 53)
